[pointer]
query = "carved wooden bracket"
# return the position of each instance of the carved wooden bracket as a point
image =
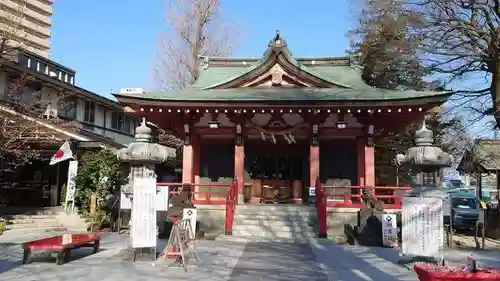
(187, 134)
(239, 135)
(315, 135)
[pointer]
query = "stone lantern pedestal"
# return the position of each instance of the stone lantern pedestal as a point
(141, 188)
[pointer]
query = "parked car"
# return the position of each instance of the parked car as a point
(464, 212)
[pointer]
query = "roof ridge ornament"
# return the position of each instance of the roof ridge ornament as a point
(277, 41)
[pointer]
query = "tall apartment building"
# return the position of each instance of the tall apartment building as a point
(26, 24)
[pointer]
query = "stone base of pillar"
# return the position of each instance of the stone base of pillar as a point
(241, 199)
(255, 200)
(144, 254)
(297, 201)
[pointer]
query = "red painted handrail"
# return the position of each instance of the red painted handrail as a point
(321, 210)
(202, 197)
(228, 197)
(232, 198)
(391, 201)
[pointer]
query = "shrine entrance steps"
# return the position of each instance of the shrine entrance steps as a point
(40, 219)
(275, 221)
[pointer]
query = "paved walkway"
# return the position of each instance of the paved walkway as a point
(277, 261)
(228, 259)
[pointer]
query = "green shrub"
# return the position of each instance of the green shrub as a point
(63, 194)
(3, 225)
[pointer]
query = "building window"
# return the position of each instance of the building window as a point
(24, 61)
(71, 80)
(120, 122)
(67, 108)
(117, 121)
(126, 125)
(89, 115)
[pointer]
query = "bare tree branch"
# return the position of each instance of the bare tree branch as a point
(197, 28)
(24, 128)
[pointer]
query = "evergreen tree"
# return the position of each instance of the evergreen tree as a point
(388, 56)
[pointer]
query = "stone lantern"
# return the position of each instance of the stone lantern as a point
(142, 155)
(425, 160)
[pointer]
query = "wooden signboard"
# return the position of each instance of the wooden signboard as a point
(182, 242)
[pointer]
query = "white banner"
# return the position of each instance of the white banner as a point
(191, 215)
(423, 228)
(161, 199)
(70, 184)
(143, 230)
(389, 230)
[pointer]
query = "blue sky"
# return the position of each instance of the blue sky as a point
(112, 44)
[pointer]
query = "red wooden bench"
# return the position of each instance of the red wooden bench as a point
(62, 244)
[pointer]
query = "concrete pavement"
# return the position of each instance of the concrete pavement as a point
(233, 259)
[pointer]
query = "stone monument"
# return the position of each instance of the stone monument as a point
(142, 155)
(425, 162)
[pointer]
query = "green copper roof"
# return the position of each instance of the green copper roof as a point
(345, 76)
(288, 94)
(333, 79)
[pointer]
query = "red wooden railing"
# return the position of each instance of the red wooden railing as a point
(201, 197)
(348, 200)
(232, 200)
(321, 209)
(351, 198)
(228, 196)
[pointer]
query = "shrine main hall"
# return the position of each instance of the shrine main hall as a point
(277, 123)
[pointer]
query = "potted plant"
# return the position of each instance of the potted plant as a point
(3, 225)
(429, 272)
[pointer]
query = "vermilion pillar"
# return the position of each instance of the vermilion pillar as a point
(239, 163)
(360, 149)
(196, 165)
(369, 165)
(314, 157)
(187, 156)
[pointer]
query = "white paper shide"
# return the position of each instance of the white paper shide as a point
(144, 213)
(422, 233)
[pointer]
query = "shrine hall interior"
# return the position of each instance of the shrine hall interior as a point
(277, 123)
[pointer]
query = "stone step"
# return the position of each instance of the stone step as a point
(275, 228)
(277, 207)
(275, 213)
(31, 217)
(269, 234)
(14, 211)
(274, 222)
(246, 239)
(274, 217)
(31, 220)
(36, 224)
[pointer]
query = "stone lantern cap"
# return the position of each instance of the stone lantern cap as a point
(424, 153)
(142, 151)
